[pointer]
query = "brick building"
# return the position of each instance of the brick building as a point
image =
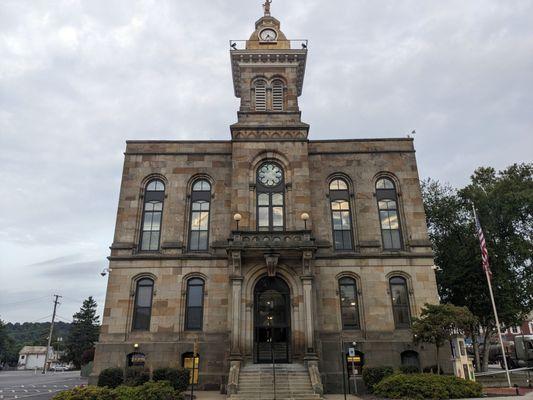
(268, 243)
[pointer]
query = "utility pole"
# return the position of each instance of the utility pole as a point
(56, 302)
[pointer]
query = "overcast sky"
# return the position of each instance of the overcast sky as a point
(79, 78)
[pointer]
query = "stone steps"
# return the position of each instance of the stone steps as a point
(256, 382)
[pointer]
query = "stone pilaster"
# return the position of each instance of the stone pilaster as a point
(236, 299)
(307, 283)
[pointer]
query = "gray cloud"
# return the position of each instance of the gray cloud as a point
(78, 78)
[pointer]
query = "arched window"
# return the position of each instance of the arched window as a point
(349, 303)
(388, 214)
(194, 313)
(199, 225)
(260, 95)
(340, 215)
(142, 310)
(410, 357)
(277, 95)
(400, 302)
(154, 196)
(270, 197)
(191, 362)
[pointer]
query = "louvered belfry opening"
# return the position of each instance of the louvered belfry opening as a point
(277, 95)
(260, 95)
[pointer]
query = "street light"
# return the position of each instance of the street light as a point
(237, 217)
(304, 218)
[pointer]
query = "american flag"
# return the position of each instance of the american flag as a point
(483, 247)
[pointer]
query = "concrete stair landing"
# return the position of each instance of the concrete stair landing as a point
(256, 382)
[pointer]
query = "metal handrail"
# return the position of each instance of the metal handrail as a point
(241, 44)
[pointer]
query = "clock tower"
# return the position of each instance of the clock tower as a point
(268, 72)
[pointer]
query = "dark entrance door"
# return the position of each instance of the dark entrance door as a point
(272, 329)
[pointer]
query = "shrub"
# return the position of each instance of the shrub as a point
(178, 378)
(409, 369)
(373, 375)
(157, 391)
(160, 374)
(86, 393)
(148, 391)
(111, 377)
(426, 386)
(136, 376)
(431, 369)
(126, 392)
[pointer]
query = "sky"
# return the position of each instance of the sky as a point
(80, 77)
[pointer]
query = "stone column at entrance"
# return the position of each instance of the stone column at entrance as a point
(236, 295)
(307, 283)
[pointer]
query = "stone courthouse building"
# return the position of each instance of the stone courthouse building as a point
(267, 244)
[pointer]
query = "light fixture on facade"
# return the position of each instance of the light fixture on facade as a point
(304, 218)
(237, 217)
(136, 346)
(105, 271)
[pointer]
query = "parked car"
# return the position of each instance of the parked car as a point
(59, 368)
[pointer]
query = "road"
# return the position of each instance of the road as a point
(36, 386)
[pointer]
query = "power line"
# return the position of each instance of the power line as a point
(22, 301)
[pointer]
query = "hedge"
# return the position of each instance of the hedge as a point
(409, 369)
(86, 393)
(426, 386)
(148, 391)
(178, 378)
(136, 376)
(373, 375)
(111, 377)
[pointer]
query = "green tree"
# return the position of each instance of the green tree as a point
(438, 322)
(504, 202)
(83, 332)
(3, 342)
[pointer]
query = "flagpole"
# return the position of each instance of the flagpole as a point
(495, 315)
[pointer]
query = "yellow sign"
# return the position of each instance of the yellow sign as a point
(355, 359)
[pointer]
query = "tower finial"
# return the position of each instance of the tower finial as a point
(266, 6)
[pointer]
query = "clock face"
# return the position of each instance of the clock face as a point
(270, 175)
(268, 35)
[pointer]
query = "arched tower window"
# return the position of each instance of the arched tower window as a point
(260, 91)
(349, 303)
(142, 310)
(199, 222)
(388, 214)
(277, 95)
(270, 197)
(400, 302)
(154, 197)
(341, 216)
(194, 313)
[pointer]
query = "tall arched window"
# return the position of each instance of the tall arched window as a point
(340, 215)
(154, 196)
(194, 313)
(199, 225)
(142, 310)
(388, 214)
(260, 91)
(400, 302)
(270, 197)
(277, 95)
(349, 303)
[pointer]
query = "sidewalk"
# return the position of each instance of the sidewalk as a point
(218, 396)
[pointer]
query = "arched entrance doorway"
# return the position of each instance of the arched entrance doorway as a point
(272, 321)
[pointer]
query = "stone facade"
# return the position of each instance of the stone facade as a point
(301, 254)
